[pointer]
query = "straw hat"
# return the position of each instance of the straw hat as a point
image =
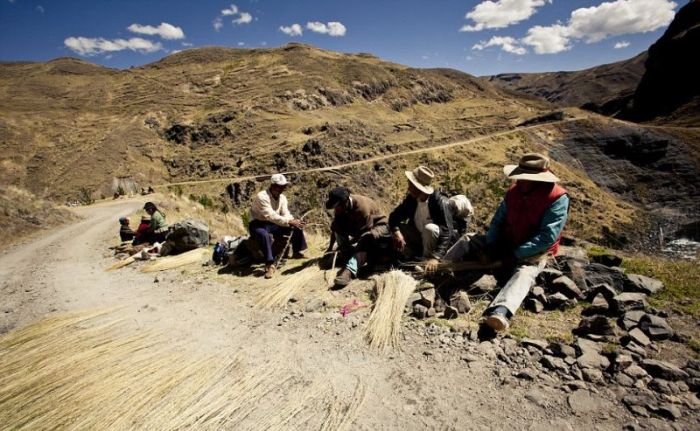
(421, 177)
(532, 167)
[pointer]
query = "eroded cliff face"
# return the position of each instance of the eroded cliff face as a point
(656, 171)
(670, 82)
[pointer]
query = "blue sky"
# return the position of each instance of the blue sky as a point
(478, 37)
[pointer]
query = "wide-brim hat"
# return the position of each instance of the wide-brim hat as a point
(421, 177)
(531, 167)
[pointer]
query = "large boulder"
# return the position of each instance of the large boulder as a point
(663, 370)
(643, 284)
(185, 236)
(597, 273)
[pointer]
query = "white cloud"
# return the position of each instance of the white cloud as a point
(501, 13)
(230, 11)
(241, 43)
(175, 51)
(333, 28)
(243, 18)
(92, 46)
(164, 30)
(596, 23)
(507, 44)
(548, 40)
(187, 44)
(621, 44)
(217, 23)
(292, 30)
(39, 8)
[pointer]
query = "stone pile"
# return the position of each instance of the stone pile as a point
(613, 344)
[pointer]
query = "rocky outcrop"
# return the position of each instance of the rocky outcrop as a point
(671, 77)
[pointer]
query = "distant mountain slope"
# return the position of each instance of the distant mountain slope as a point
(603, 89)
(68, 126)
(670, 88)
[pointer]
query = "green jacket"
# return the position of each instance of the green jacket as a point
(158, 223)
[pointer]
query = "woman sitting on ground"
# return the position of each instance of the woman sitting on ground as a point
(158, 228)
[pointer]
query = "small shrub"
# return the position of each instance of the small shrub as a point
(120, 191)
(177, 190)
(85, 196)
(206, 201)
(245, 218)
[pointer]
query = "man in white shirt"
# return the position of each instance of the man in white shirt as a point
(269, 215)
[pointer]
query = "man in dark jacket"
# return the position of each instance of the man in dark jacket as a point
(359, 227)
(422, 224)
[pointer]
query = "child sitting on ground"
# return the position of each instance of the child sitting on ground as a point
(140, 236)
(125, 232)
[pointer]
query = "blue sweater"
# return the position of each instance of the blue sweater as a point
(551, 226)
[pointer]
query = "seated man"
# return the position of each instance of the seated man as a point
(269, 214)
(125, 232)
(422, 224)
(358, 224)
(524, 232)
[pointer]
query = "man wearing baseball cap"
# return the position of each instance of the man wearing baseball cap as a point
(360, 228)
(269, 215)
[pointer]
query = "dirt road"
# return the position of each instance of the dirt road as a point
(437, 381)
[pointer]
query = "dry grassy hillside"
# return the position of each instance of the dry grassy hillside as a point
(221, 114)
(604, 89)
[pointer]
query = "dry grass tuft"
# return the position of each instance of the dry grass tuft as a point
(83, 371)
(384, 325)
(310, 278)
(342, 415)
(170, 262)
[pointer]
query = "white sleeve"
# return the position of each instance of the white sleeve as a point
(284, 209)
(263, 208)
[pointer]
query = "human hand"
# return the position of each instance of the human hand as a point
(299, 224)
(399, 241)
(431, 266)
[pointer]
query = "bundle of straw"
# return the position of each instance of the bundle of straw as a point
(82, 371)
(170, 262)
(309, 279)
(122, 263)
(384, 325)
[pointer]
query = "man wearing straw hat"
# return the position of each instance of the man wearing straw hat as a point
(360, 229)
(422, 224)
(269, 215)
(524, 232)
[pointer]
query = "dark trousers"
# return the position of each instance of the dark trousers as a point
(261, 231)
